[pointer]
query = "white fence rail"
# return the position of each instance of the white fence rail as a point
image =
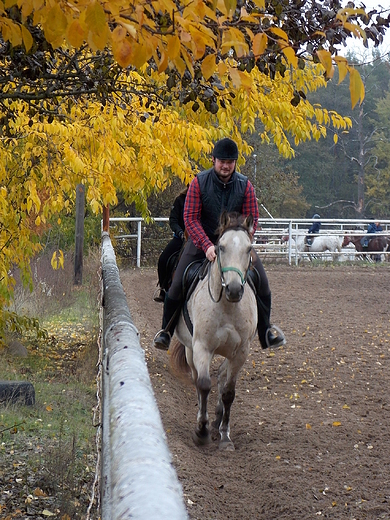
(138, 479)
(269, 237)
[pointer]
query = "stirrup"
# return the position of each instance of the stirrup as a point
(159, 295)
(162, 340)
(279, 334)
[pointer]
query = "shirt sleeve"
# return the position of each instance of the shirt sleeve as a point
(250, 206)
(192, 216)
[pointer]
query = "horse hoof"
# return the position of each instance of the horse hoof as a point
(201, 440)
(226, 446)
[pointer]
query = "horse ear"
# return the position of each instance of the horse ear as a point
(224, 219)
(248, 222)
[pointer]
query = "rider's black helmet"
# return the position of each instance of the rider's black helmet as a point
(225, 149)
(316, 215)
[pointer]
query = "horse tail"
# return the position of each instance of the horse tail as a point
(178, 358)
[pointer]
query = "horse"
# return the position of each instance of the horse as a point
(320, 244)
(223, 312)
(378, 243)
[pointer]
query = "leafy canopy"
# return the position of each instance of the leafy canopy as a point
(196, 42)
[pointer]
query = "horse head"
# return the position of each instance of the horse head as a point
(346, 241)
(234, 249)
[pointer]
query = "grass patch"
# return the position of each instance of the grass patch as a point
(48, 450)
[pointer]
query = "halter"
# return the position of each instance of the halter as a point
(223, 270)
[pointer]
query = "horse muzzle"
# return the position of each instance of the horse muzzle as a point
(234, 292)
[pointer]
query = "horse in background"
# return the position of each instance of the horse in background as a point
(223, 312)
(320, 244)
(378, 244)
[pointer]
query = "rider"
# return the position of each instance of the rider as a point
(176, 223)
(314, 229)
(374, 227)
(212, 191)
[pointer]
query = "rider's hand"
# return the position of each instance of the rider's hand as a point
(210, 254)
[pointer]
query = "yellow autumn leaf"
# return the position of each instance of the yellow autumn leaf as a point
(356, 87)
(75, 34)
(198, 43)
(280, 33)
(222, 68)
(12, 32)
(291, 56)
(342, 65)
(336, 423)
(61, 259)
(208, 66)
(122, 52)
(55, 25)
(259, 44)
(96, 21)
(49, 408)
(27, 38)
(326, 61)
(39, 493)
(230, 6)
(260, 3)
(234, 38)
(173, 47)
(335, 138)
(355, 30)
(163, 64)
(308, 426)
(180, 65)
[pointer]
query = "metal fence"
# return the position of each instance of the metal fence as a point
(275, 239)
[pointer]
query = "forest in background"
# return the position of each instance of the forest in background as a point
(349, 178)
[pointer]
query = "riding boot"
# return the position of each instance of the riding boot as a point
(270, 336)
(171, 315)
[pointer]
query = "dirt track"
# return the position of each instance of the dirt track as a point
(311, 421)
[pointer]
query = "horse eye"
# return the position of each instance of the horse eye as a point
(222, 249)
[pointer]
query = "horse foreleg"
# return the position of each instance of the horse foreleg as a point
(222, 371)
(202, 435)
(201, 360)
(228, 395)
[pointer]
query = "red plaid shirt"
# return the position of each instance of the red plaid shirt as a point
(193, 211)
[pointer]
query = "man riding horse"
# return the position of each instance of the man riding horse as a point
(313, 230)
(374, 227)
(210, 193)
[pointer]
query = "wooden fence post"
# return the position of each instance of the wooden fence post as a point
(106, 219)
(79, 235)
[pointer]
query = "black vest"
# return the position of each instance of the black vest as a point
(217, 197)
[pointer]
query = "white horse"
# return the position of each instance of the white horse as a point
(223, 311)
(320, 243)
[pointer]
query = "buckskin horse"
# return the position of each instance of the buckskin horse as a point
(223, 312)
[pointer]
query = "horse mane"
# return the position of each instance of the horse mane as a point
(234, 220)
